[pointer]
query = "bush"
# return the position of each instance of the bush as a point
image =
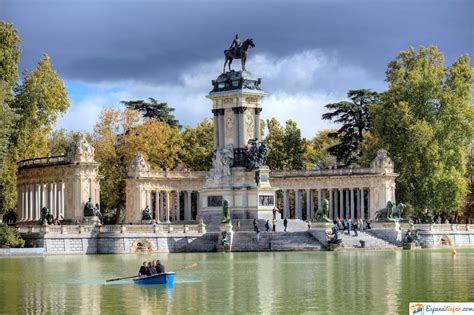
(9, 237)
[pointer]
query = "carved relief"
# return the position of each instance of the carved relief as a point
(229, 122)
(227, 100)
(80, 150)
(139, 164)
(251, 99)
(249, 124)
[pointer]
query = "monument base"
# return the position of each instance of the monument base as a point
(224, 243)
(92, 220)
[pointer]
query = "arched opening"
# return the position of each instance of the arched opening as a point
(142, 246)
(445, 241)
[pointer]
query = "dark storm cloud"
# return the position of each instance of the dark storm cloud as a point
(156, 42)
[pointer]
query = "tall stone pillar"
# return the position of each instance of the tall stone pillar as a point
(331, 206)
(352, 204)
(242, 127)
(341, 202)
(257, 122)
(198, 205)
(236, 128)
(320, 202)
(286, 205)
(167, 206)
(177, 211)
(216, 128)
(36, 203)
(187, 214)
(308, 204)
(221, 128)
(362, 205)
(157, 206)
(347, 208)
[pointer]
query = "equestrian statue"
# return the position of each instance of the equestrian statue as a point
(238, 50)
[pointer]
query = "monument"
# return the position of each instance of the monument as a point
(239, 173)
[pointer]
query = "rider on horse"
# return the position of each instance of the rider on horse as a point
(236, 44)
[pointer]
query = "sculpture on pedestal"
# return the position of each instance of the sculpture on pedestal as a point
(139, 164)
(255, 154)
(91, 211)
(80, 149)
(391, 213)
(46, 216)
(238, 51)
(221, 163)
(322, 214)
(226, 212)
(146, 214)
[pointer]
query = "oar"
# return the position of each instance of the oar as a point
(117, 279)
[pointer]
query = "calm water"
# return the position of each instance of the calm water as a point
(314, 282)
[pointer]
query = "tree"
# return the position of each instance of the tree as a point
(426, 122)
(39, 100)
(320, 145)
(9, 58)
(274, 143)
(294, 146)
(58, 142)
(355, 119)
(198, 146)
(154, 110)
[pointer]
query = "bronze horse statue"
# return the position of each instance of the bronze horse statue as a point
(241, 53)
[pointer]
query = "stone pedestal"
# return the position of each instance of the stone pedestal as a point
(320, 231)
(224, 243)
(93, 220)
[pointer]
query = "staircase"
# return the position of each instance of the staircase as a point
(205, 243)
(371, 242)
(274, 241)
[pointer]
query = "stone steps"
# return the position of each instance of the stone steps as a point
(275, 241)
(205, 243)
(371, 242)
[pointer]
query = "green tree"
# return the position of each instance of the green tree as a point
(426, 122)
(198, 146)
(9, 58)
(274, 142)
(39, 100)
(294, 146)
(356, 119)
(58, 142)
(154, 110)
(320, 145)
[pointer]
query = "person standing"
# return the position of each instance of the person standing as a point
(274, 222)
(285, 223)
(267, 225)
(309, 225)
(238, 225)
(257, 231)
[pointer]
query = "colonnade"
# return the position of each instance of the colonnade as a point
(33, 197)
(165, 205)
(343, 202)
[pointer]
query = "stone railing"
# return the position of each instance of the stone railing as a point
(44, 161)
(325, 172)
(177, 175)
(81, 229)
(444, 227)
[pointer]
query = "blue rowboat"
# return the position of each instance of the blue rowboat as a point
(160, 278)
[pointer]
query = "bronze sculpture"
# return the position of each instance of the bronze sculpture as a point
(238, 51)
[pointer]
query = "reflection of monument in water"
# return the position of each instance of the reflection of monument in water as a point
(239, 173)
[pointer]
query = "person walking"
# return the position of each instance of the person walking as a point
(267, 225)
(274, 222)
(285, 223)
(309, 225)
(257, 231)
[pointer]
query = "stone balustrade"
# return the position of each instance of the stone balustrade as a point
(119, 229)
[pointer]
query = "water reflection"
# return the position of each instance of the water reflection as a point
(334, 282)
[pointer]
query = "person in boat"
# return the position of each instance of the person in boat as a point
(152, 268)
(159, 267)
(143, 269)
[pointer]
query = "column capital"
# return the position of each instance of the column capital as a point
(258, 110)
(239, 110)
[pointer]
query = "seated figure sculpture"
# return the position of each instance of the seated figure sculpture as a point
(89, 210)
(322, 214)
(146, 214)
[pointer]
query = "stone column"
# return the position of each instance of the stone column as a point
(36, 203)
(341, 202)
(162, 207)
(352, 204)
(236, 126)
(308, 204)
(62, 199)
(167, 206)
(362, 206)
(221, 128)
(157, 206)
(257, 122)
(50, 196)
(320, 202)
(178, 206)
(369, 204)
(331, 208)
(216, 128)
(198, 205)
(347, 208)
(187, 214)
(242, 127)
(286, 205)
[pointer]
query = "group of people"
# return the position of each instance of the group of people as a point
(351, 225)
(151, 268)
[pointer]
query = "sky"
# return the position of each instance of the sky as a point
(308, 52)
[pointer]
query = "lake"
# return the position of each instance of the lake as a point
(355, 282)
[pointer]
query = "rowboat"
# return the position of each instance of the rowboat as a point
(160, 278)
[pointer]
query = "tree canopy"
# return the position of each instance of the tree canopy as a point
(426, 123)
(154, 110)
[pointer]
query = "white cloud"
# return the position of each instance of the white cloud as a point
(298, 87)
